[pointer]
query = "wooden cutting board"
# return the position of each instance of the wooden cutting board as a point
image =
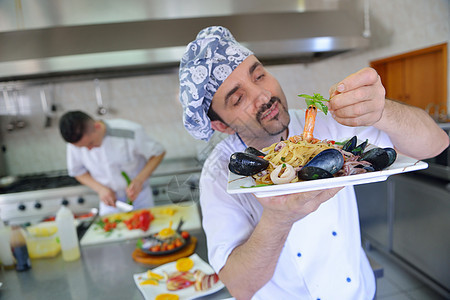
(144, 258)
(190, 215)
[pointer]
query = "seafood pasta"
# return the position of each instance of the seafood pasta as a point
(294, 153)
(303, 157)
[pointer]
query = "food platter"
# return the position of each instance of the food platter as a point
(243, 184)
(150, 239)
(151, 291)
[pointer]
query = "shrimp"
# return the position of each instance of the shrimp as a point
(310, 120)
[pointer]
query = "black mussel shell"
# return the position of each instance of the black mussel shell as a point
(350, 144)
(330, 160)
(360, 148)
(254, 151)
(392, 155)
(311, 173)
(246, 164)
(378, 157)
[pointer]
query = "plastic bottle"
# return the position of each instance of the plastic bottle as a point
(19, 249)
(67, 234)
(6, 256)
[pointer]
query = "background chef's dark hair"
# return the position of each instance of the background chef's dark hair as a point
(73, 125)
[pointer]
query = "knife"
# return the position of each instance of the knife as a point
(123, 206)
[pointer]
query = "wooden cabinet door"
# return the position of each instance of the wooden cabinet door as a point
(417, 78)
(424, 80)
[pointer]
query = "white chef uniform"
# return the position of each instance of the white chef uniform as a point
(125, 147)
(322, 258)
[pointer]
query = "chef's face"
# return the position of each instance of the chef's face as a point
(251, 102)
(91, 138)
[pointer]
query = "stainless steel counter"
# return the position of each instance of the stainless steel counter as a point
(103, 272)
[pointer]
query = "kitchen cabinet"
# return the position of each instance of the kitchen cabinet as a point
(407, 218)
(421, 225)
(375, 211)
(417, 78)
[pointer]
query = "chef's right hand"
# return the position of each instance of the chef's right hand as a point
(107, 196)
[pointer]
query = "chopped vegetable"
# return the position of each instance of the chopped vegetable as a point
(179, 280)
(184, 264)
(316, 100)
(128, 180)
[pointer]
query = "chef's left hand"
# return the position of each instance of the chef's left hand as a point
(134, 189)
(358, 100)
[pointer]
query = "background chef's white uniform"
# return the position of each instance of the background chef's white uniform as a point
(322, 258)
(125, 147)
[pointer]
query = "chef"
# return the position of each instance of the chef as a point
(298, 246)
(102, 153)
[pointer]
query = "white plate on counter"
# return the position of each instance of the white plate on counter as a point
(151, 291)
(238, 184)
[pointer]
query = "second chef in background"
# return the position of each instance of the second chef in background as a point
(98, 151)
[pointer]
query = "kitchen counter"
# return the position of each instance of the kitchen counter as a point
(104, 272)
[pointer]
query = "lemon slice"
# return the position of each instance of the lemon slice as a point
(167, 297)
(153, 275)
(184, 264)
(149, 281)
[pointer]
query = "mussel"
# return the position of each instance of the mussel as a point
(350, 146)
(380, 158)
(254, 151)
(323, 165)
(246, 164)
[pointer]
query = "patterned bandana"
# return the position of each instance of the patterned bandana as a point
(205, 65)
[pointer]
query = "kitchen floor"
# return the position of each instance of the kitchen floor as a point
(398, 284)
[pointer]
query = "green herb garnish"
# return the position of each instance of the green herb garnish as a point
(316, 100)
(283, 166)
(283, 159)
(258, 185)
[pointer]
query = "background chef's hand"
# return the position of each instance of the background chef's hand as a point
(290, 208)
(108, 196)
(358, 100)
(134, 189)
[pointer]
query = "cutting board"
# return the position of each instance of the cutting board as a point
(190, 214)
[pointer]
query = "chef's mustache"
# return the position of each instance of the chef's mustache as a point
(265, 107)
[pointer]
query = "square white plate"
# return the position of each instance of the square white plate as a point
(151, 291)
(401, 165)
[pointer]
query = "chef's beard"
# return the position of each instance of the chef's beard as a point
(281, 109)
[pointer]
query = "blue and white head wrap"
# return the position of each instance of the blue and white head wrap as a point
(205, 65)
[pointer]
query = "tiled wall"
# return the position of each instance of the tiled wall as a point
(397, 26)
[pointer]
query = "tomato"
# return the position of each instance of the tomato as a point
(170, 247)
(156, 248)
(178, 243)
(185, 235)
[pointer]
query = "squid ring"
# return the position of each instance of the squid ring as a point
(288, 174)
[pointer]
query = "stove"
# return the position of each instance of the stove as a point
(33, 198)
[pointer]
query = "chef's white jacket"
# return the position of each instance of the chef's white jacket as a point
(322, 257)
(125, 147)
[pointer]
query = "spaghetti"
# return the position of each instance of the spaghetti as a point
(294, 152)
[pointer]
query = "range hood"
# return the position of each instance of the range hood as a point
(55, 37)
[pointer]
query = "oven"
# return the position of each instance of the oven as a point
(36, 197)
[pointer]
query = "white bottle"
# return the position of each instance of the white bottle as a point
(6, 255)
(67, 234)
